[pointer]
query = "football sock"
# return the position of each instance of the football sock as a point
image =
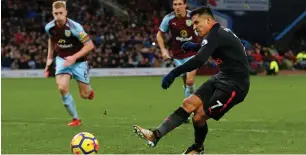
(200, 133)
(70, 105)
(174, 120)
(189, 90)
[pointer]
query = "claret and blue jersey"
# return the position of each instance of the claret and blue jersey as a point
(67, 41)
(181, 31)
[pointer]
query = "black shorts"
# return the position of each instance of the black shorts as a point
(219, 97)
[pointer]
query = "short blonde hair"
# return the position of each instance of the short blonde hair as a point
(59, 4)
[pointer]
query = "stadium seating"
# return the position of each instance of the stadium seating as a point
(119, 43)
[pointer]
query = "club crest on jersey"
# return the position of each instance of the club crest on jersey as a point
(67, 33)
(188, 22)
(204, 42)
(184, 33)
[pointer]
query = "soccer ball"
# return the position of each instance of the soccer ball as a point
(84, 143)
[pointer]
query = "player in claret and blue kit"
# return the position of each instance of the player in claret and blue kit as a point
(72, 45)
(178, 23)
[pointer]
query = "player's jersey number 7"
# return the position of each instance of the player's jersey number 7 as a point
(217, 105)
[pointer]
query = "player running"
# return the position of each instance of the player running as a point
(216, 96)
(72, 44)
(179, 24)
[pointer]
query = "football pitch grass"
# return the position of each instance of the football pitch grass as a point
(272, 119)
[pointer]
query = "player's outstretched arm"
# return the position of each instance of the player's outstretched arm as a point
(50, 55)
(50, 51)
(190, 46)
(206, 50)
(160, 41)
(208, 46)
(83, 37)
(88, 46)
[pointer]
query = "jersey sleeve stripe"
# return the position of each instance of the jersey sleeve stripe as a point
(49, 26)
(85, 39)
(164, 26)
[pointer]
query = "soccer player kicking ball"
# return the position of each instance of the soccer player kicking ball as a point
(217, 95)
(72, 44)
(179, 24)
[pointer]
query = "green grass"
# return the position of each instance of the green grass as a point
(270, 120)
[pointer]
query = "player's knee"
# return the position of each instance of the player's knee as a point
(84, 94)
(63, 88)
(199, 119)
(199, 115)
(189, 105)
(189, 82)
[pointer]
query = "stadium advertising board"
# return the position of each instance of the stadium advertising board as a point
(241, 5)
(223, 19)
(92, 72)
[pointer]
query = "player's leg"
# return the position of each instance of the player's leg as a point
(205, 93)
(179, 62)
(80, 73)
(190, 104)
(85, 90)
(200, 131)
(63, 76)
(177, 118)
(190, 86)
(190, 83)
(62, 81)
(184, 77)
(214, 106)
(188, 80)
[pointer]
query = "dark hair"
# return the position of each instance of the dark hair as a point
(201, 11)
(185, 1)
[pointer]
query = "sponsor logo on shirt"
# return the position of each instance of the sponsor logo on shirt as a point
(62, 44)
(183, 39)
(184, 33)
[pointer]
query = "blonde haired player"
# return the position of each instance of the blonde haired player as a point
(72, 44)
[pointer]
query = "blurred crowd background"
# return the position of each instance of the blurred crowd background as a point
(125, 34)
